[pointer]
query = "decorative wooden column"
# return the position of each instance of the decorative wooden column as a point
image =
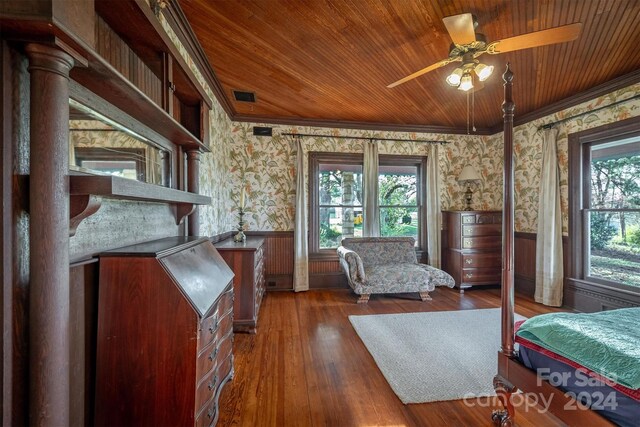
(508, 107)
(49, 236)
(193, 186)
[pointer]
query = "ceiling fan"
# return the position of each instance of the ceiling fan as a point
(468, 45)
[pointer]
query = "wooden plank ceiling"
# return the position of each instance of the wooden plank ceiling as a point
(331, 60)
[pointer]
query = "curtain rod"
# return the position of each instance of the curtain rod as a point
(552, 124)
(367, 138)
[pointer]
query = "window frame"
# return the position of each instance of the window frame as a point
(318, 157)
(580, 145)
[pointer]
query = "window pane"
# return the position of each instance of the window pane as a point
(399, 222)
(340, 184)
(337, 223)
(615, 175)
(398, 185)
(615, 246)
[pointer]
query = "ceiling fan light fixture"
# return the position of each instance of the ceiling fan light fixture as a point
(466, 82)
(483, 71)
(454, 78)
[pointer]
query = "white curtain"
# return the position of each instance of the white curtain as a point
(371, 223)
(433, 207)
(549, 272)
(300, 241)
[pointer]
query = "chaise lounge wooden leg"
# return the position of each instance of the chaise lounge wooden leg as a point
(504, 390)
(424, 296)
(364, 298)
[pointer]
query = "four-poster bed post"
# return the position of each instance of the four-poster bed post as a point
(501, 385)
(512, 374)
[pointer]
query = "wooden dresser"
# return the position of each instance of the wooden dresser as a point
(164, 347)
(473, 251)
(247, 262)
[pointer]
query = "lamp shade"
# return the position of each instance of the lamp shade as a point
(466, 82)
(454, 78)
(483, 71)
(469, 173)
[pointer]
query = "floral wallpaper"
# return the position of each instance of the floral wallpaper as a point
(214, 166)
(266, 166)
(528, 148)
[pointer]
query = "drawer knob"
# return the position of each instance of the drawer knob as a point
(213, 383)
(214, 353)
(468, 275)
(468, 261)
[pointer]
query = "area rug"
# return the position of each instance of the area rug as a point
(430, 357)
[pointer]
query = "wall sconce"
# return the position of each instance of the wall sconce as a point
(468, 176)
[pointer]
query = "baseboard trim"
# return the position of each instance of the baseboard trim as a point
(525, 285)
(279, 282)
(333, 280)
(590, 297)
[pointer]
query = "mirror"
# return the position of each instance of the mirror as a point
(99, 145)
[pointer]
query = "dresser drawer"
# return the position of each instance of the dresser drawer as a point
(209, 414)
(481, 260)
(210, 325)
(481, 275)
(485, 218)
(482, 242)
(225, 303)
(482, 230)
(207, 388)
(259, 255)
(468, 218)
(225, 367)
(207, 360)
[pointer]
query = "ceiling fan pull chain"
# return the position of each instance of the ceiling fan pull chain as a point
(467, 113)
(473, 111)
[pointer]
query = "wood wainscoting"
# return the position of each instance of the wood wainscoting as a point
(525, 261)
(83, 318)
(578, 294)
(324, 272)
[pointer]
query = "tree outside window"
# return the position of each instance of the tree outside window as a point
(336, 195)
(613, 216)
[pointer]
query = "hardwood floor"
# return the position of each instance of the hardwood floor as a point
(307, 367)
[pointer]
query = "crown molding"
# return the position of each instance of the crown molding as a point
(573, 100)
(180, 25)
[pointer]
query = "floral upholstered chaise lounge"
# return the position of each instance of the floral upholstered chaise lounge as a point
(386, 265)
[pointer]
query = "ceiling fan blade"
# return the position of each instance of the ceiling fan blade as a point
(460, 28)
(424, 71)
(566, 33)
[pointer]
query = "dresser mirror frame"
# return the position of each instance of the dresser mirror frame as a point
(82, 98)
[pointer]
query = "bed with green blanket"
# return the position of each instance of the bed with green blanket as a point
(602, 346)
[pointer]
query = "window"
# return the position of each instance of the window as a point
(607, 218)
(335, 193)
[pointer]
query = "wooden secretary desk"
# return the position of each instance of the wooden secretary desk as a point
(473, 253)
(165, 318)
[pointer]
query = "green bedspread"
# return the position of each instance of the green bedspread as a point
(607, 342)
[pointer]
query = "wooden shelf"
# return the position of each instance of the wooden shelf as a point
(86, 192)
(105, 81)
(151, 38)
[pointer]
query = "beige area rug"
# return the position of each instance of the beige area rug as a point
(430, 357)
